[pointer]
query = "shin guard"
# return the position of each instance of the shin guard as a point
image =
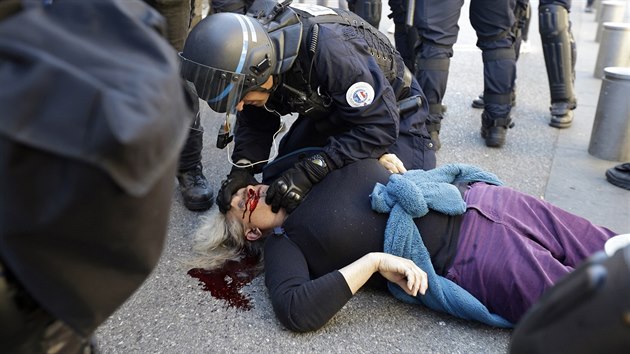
(559, 51)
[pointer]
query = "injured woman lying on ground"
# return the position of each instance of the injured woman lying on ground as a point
(452, 239)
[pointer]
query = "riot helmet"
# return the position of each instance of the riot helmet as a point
(225, 56)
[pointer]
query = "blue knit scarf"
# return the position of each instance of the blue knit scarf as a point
(410, 196)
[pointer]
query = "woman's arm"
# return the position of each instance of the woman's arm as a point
(300, 303)
(303, 304)
(401, 271)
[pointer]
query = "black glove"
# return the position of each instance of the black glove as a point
(237, 179)
(292, 186)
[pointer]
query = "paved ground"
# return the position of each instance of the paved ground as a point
(172, 314)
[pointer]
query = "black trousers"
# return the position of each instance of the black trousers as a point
(178, 16)
(435, 25)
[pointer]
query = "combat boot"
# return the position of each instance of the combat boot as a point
(562, 114)
(494, 130)
(195, 190)
(478, 102)
(619, 175)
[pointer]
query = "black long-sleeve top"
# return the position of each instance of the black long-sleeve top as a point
(333, 227)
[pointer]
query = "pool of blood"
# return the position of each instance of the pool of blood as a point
(227, 282)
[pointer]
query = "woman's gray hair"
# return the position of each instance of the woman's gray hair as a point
(221, 239)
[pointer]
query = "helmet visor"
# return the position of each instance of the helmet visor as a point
(220, 88)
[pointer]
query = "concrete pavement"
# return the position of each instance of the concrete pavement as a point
(171, 313)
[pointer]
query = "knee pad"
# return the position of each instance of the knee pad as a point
(432, 63)
(499, 78)
(432, 75)
(433, 57)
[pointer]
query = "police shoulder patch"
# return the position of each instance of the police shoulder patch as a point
(360, 94)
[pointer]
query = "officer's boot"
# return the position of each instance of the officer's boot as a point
(560, 54)
(478, 102)
(494, 130)
(195, 190)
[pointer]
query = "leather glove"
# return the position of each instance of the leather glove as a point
(291, 187)
(237, 179)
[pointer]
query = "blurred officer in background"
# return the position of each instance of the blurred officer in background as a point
(90, 134)
(586, 312)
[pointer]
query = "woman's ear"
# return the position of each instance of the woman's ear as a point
(253, 234)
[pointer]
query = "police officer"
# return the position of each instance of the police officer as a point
(90, 136)
(559, 50)
(193, 185)
(560, 55)
(339, 73)
(435, 25)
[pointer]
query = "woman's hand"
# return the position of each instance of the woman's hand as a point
(403, 272)
(392, 163)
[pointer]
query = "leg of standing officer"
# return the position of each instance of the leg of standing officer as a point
(436, 23)
(494, 23)
(560, 56)
(369, 10)
(589, 6)
(522, 14)
(405, 36)
(192, 183)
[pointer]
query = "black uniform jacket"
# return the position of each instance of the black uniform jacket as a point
(359, 76)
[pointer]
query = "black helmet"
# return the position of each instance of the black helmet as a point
(225, 56)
